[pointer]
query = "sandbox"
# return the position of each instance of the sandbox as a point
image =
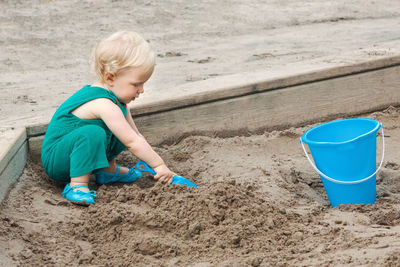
(258, 203)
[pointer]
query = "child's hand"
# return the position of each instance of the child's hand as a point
(164, 174)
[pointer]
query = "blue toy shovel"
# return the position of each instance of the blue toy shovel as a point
(177, 179)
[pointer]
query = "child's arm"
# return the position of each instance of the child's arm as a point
(131, 122)
(120, 127)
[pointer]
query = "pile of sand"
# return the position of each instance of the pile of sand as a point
(258, 203)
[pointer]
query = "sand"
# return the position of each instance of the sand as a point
(258, 203)
(45, 45)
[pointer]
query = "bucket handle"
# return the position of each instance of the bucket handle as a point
(347, 182)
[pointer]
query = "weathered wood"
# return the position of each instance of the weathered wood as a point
(272, 109)
(252, 82)
(36, 129)
(13, 155)
(281, 108)
(35, 147)
(232, 86)
(10, 141)
(13, 170)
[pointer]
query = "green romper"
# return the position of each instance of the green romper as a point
(73, 146)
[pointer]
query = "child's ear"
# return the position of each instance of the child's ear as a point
(109, 78)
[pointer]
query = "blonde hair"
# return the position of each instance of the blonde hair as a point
(120, 51)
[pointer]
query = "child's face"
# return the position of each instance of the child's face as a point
(128, 85)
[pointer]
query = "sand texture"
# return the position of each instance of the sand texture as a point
(259, 203)
(45, 45)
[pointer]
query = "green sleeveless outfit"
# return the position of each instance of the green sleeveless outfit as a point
(73, 146)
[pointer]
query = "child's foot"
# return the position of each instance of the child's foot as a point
(79, 194)
(114, 167)
(104, 177)
(75, 186)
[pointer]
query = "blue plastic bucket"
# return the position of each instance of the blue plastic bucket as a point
(344, 152)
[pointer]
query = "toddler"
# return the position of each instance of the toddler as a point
(94, 125)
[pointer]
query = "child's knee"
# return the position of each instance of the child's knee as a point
(93, 134)
(95, 130)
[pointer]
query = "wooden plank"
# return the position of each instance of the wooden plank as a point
(35, 147)
(36, 129)
(10, 141)
(272, 109)
(253, 82)
(278, 109)
(13, 170)
(230, 86)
